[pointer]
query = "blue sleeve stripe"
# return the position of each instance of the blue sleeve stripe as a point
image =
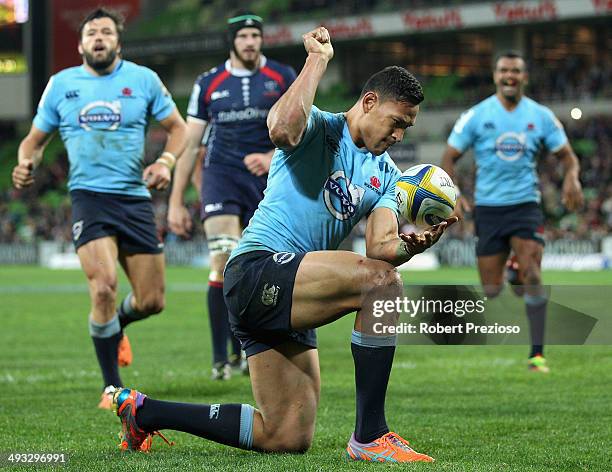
(247, 413)
(368, 340)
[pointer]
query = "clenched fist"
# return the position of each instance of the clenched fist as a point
(22, 174)
(318, 41)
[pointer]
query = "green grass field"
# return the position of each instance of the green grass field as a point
(474, 408)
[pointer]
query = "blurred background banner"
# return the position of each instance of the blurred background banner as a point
(67, 15)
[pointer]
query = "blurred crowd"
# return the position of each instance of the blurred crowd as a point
(568, 81)
(592, 142)
(42, 212)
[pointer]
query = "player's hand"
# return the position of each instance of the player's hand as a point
(416, 243)
(258, 163)
(157, 176)
(318, 41)
(572, 198)
(23, 175)
(179, 220)
(461, 207)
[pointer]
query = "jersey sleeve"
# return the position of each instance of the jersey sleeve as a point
(197, 105)
(47, 118)
(160, 100)
(464, 132)
(387, 199)
(316, 121)
(554, 134)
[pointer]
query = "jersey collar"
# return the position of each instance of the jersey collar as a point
(346, 133)
(503, 108)
(244, 72)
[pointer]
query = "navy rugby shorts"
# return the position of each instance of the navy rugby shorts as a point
(495, 225)
(131, 219)
(229, 191)
(258, 290)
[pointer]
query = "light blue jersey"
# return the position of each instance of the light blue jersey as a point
(102, 121)
(319, 191)
(506, 145)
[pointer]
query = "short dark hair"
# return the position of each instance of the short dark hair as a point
(102, 12)
(395, 83)
(510, 54)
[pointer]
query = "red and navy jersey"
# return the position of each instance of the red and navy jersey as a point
(235, 103)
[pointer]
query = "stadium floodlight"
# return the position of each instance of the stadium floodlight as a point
(576, 113)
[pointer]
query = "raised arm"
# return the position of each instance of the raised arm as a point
(384, 243)
(572, 190)
(288, 117)
(29, 155)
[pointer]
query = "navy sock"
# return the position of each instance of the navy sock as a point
(219, 326)
(106, 339)
(535, 306)
(230, 424)
(373, 357)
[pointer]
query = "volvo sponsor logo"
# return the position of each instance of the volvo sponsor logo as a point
(510, 146)
(100, 115)
(341, 196)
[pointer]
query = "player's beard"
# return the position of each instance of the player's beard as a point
(100, 64)
(248, 64)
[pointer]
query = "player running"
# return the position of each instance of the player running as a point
(230, 103)
(507, 132)
(286, 277)
(101, 109)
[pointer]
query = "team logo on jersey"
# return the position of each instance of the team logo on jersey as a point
(271, 85)
(283, 257)
(272, 88)
(341, 196)
(374, 185)
(269, 295)
(100, 115)
(77, 229)
(510, 146)
(126, 92)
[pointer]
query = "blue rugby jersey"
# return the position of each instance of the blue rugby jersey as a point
(102, 121)
(235, 103)
(319, 191)
(506, 145)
